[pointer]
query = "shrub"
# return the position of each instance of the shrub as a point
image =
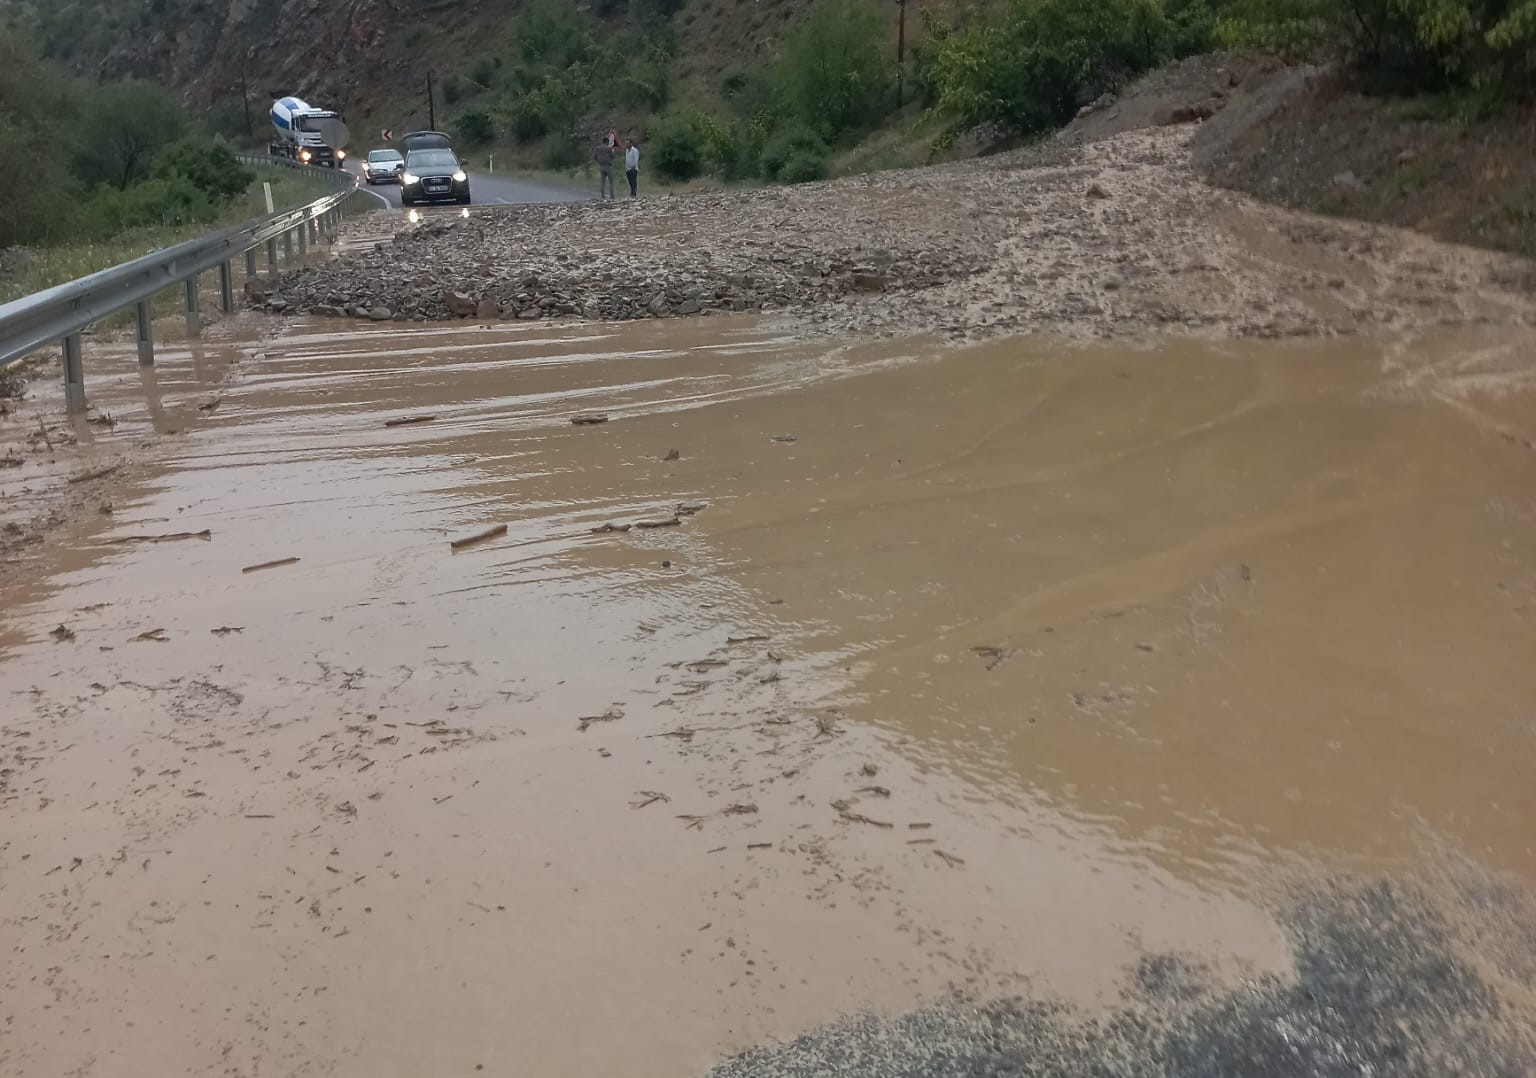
(1031, 71)
(833, 73)
(678, 147)
(163, 201)
(474, 127)
(795, 155)
(552, 35)
(483, 72)
(208, 164)
(655, 9)
(525, 118)
(803, 166)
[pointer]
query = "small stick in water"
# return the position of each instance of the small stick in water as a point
(479, 537)
(409, 421)
(269, 565)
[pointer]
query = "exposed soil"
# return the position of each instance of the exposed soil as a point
(1308, 139)
(1415, 163)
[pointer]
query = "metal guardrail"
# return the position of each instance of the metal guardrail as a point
(61, 313)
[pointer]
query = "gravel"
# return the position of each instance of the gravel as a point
(1385, 984)
(1115, 238)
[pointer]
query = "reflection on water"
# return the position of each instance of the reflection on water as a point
(953, 670)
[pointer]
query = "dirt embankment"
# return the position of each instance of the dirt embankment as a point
(1111, 238)
(1307, 138)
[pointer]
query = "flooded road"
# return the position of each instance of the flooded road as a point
(813, 679)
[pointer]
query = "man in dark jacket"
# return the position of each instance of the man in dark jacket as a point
(604, 159)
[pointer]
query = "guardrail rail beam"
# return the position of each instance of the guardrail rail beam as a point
(63, 312)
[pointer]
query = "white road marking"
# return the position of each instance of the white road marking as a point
(388, 205)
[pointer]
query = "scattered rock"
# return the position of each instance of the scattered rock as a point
(380, 314)
(487, 309)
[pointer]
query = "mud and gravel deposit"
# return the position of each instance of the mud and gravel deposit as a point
(1112, 238)
(1384, 983)
(759, 775)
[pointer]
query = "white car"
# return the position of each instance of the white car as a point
(383, 165)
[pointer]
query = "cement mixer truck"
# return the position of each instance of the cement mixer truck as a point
(304, 133)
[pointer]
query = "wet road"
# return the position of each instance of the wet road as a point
(484, 190)
(816, 678)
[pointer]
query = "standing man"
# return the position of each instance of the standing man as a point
(604, 159)
(632, 167)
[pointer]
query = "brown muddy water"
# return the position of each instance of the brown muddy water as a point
(983, 671)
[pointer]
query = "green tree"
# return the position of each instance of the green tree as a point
(122, 127)
(35, 122)
(834, 74)
(678, 146)
(1401, 45)
(1031, 70)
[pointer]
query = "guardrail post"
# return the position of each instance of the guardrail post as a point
(303, 231)
(250, 263)
(74, 376)
(146, 336)
(288, 246)
(272, 257)
(194, 323)
(226, 289)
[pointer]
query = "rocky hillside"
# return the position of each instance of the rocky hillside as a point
(369, 58)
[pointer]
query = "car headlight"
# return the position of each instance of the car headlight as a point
(406, 177)
(460, 176)
(341, 155)
(303, 155)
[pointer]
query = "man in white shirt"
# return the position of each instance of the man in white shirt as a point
(632, 167)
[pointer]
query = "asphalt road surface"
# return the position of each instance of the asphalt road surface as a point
(484, 190)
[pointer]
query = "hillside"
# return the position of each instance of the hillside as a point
(541, 77)
(369, 58)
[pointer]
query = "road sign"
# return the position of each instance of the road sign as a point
(388, 135)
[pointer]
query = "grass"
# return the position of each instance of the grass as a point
(32, 269)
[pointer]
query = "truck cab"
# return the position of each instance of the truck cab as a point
(313, 131)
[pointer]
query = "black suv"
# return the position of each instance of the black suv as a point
(433, 176)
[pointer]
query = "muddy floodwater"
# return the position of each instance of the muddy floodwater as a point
(810, 680)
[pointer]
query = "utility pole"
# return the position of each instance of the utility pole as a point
(431, 106)
(901, 50)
